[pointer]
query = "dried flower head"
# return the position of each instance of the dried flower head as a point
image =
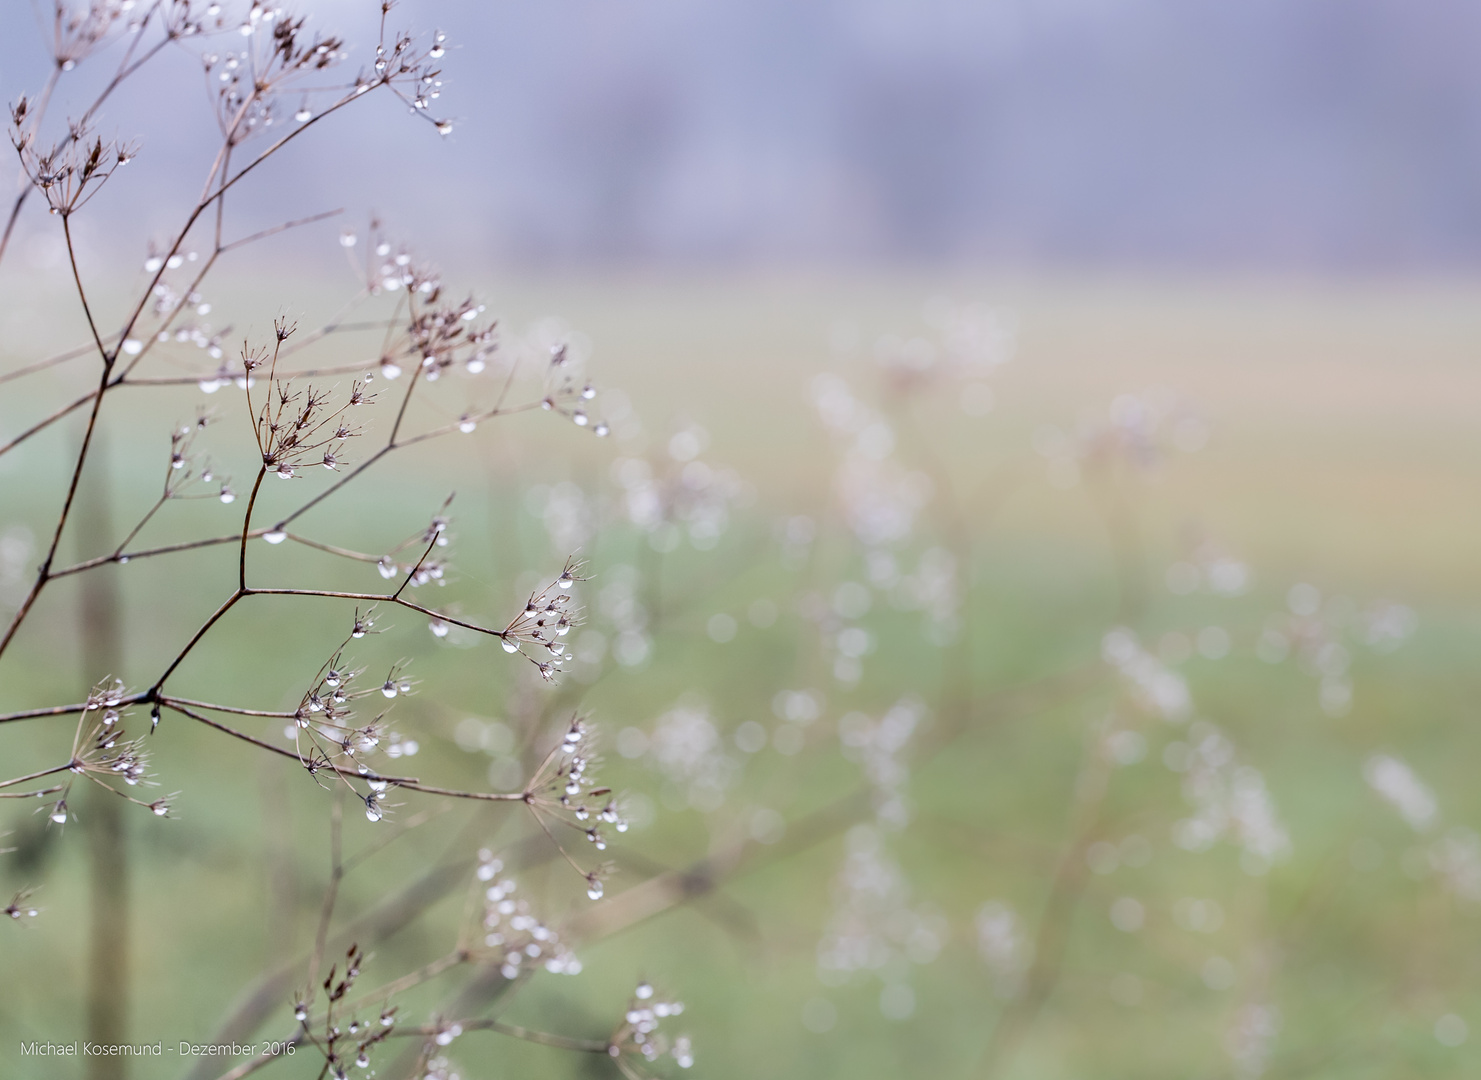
(638, 1035)
(510, 934)
(547, 618)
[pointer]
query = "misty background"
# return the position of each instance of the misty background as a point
(1291, 134)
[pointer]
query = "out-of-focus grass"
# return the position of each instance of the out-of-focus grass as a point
(1343, 454)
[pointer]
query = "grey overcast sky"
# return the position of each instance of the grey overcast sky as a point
(1306, 134)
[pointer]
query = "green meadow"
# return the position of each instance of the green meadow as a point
(1045, 911)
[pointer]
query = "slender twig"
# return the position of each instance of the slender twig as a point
(37, 775)
(545, 1038)
(400, 781)
(411, 574)
(43, 573)
(50, 362)
(195, 639)
(46, 422)
(36, 794)
(331, 891)
(172, 700)
(378, 598)
(53, 710)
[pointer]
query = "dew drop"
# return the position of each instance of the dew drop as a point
(389, 689)
(133, 346)
(302, 115)
(510, 645)
(275, 536)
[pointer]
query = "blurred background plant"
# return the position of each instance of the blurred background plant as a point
(1016, 664)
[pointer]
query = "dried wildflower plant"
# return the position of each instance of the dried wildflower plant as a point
(271, 81)
(898, 488)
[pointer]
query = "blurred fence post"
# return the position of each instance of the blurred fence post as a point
(108, 934)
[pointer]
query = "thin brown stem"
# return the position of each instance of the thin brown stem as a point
(378, 598)
(82, 296)
(171, 700)
(331, 891)
(276, 229)
(137, 529)
(414, 978)
(195, 639)
(54, 710)
(49, 362)
(37, 794)
(36, 775)
(319, 545)
(411, 574)
(353, 774)
(43, 574)
(453, 793)
(545, 1038)
(247, 530)
(46, 422)
(146, 553)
